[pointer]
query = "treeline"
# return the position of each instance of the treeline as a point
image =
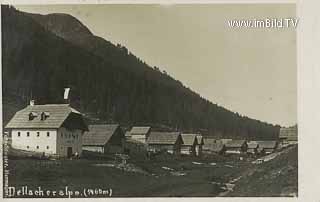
(42, 55)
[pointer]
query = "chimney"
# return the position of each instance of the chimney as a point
(66, 93)
(31, 102)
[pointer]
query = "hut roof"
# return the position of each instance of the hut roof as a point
(189, 139)
(235, 143)
(140, 130)
(55, 115)
(168, 138)
(209, 140)
(200, 139)
(99, 134)
(215, 147)
(252, 145)
(225, 140)
(127, 134)
(267, 144)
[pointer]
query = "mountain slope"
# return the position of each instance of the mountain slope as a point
(278, 177)
(42, 55)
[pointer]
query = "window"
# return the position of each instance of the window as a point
(32, 115)
(37, 147)
(48, 134)
(19, 134)
(27, 147)
(47, 147)
(61, 135)
(28, 134)
(38, 134)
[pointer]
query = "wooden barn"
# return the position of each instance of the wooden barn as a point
(213, 147)
(169, 142)
(104, 138)
(51, 129)
(236, 147)
(139, 133)
(267, 147)
(199, 145)
(190, 142)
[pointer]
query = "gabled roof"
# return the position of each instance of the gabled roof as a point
(56, 114)
(267, 144)
(99, 134)
(189, 139)
(169, 138)
(200, 139)
(235, 143)
(139, 130)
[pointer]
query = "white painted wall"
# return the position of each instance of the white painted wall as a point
(35, 142)
(69, 138)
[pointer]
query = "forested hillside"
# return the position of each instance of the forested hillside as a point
(43, 54)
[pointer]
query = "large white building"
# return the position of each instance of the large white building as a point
(53, 129)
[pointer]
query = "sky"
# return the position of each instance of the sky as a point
(252, 71)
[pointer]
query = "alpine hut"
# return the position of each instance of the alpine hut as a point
(190, 142)
(236, 147)
(169, 142)
(104, 138)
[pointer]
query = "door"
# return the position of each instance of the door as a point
(69, 152)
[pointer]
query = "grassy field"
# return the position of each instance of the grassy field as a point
(157, 177)
(153, 181)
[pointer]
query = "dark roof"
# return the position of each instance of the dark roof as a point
(235, 143)
(189, 139)
(55, 114)
(99, 134)
(267, 144)
(163, 138)
(139, 130)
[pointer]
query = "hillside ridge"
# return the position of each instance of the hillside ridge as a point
(107, 80)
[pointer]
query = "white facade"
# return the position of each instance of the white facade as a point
(50, 141)
(37, 140)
